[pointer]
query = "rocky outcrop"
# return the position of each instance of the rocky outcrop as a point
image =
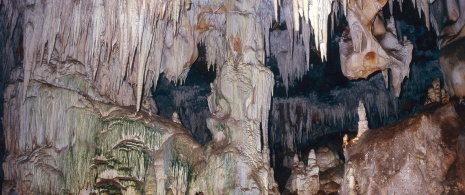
(413, 156)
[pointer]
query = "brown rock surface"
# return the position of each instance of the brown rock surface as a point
(413, 156)
(331, 179)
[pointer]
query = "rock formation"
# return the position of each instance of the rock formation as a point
(414, 156)
(326, 159)
(304, 179)
(449, 23)
(437, 94)
(362, 120)
(79, 114)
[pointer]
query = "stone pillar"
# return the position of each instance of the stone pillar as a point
(240, 101)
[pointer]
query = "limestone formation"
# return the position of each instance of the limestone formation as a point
(362, 53)
(79, 76)
(436, 94)
(79, 111)
(362, 120)
(304, 179)
(326, 159)
(331, 179)
(175, 118)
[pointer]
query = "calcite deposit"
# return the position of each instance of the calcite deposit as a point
(79, 79)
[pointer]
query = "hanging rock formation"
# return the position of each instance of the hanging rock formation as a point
(364, 51)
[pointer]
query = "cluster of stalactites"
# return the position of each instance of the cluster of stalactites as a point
(314, 16)
(317, 12)
(121, 43)
(421, 5)
(310, 18)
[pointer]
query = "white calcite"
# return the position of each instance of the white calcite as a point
(362, 120)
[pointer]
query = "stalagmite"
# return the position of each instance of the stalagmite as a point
(175, 118)
(304, 179)
(362, 120)
(326, 159)
(445, 98)
(351, 182)
(437, 94)
(437, 90)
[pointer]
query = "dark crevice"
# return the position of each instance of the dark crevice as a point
(190, 97)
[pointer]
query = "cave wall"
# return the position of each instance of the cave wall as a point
(80, 115)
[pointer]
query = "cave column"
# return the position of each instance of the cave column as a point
(241, 97)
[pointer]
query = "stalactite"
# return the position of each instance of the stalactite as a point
(120, 40)
(305, 15)
(295, 13)
(292, 116)
(423, 6)
(290, 58)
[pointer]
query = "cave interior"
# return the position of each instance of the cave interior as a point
(232, 97)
